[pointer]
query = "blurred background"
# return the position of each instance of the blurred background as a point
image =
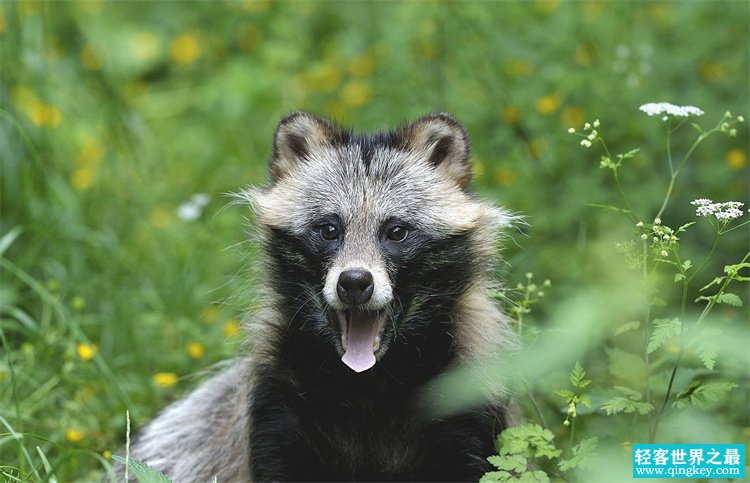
(125, 125)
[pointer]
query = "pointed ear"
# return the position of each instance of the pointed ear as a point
(297, 135)
(443, 142)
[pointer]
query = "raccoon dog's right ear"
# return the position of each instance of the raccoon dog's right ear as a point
(443, 141)
(297, 135)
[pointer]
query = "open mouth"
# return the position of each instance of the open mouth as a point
(361, 334)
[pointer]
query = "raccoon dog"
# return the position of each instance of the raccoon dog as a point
(378, 262)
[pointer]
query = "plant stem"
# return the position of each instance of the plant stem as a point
(537, 409)
(646, 325)
(705, 260)
(706, 310)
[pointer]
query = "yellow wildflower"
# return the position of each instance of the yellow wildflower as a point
(584, 55)
(107, 454)
(324, 78)
(548, 104)
(537, 147)
(90, 153)
(256, 6)
(74, 435)
(44, 115)
(196, 350)
(185, 49)
(145, 46)
(160, 217)
(737, 158)
(165, 379)
(572, 116)
(90, 58)
(712, 71)
(86, 351)
(505, 177)
(91, 6)
(362, 65)
(211, 313)
(477, 167)
(511, 114)
(231, 328)
(135, 91)
(546, 6)
(82, 179)
(518, 68)
(356, 93)
(672, 347)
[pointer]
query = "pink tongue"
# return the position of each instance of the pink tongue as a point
(362, 329)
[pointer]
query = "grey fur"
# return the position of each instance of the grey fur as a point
(205, 435)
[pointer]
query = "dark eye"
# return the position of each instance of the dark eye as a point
(397, 233)
(329, 232)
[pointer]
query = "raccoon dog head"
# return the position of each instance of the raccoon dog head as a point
(372, 239)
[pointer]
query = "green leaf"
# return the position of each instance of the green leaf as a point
(713, 282)
(142, 472)
(629, 393)
(565, 394)
(702, 395)
(686, 265)
(678, 277)
(582, 454)
(578, 376)
(609, 208)
(8, 239)
(685, 226)
(658, 302)
(585, 400)
(730, 299)
(708, 353)
(629, 154)
(515, 462)
(537, 476)
(530, 440)
(626, 366)
(620, 404)
(628, 326)
(664, 329)
(496, 477)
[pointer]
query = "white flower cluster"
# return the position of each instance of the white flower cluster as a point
(191, 209)
(728, 210)
(659, 108)
(591, 137)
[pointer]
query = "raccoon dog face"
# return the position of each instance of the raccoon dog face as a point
(372, 239)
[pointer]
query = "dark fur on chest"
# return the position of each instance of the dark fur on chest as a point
(313, 419)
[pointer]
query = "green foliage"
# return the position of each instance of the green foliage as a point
(519, 448)
(113, 115)
(664, 329)
(702, 395)
(583, 453)
(578, 377)
(142, 472)
(628, 402)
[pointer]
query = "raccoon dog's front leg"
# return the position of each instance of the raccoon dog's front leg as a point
(279, 451)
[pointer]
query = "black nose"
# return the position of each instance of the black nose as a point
(355, 286)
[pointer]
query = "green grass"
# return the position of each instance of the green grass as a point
(113, 114)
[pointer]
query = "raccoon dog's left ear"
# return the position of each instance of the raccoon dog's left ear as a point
(444, 142)
(297, 135)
